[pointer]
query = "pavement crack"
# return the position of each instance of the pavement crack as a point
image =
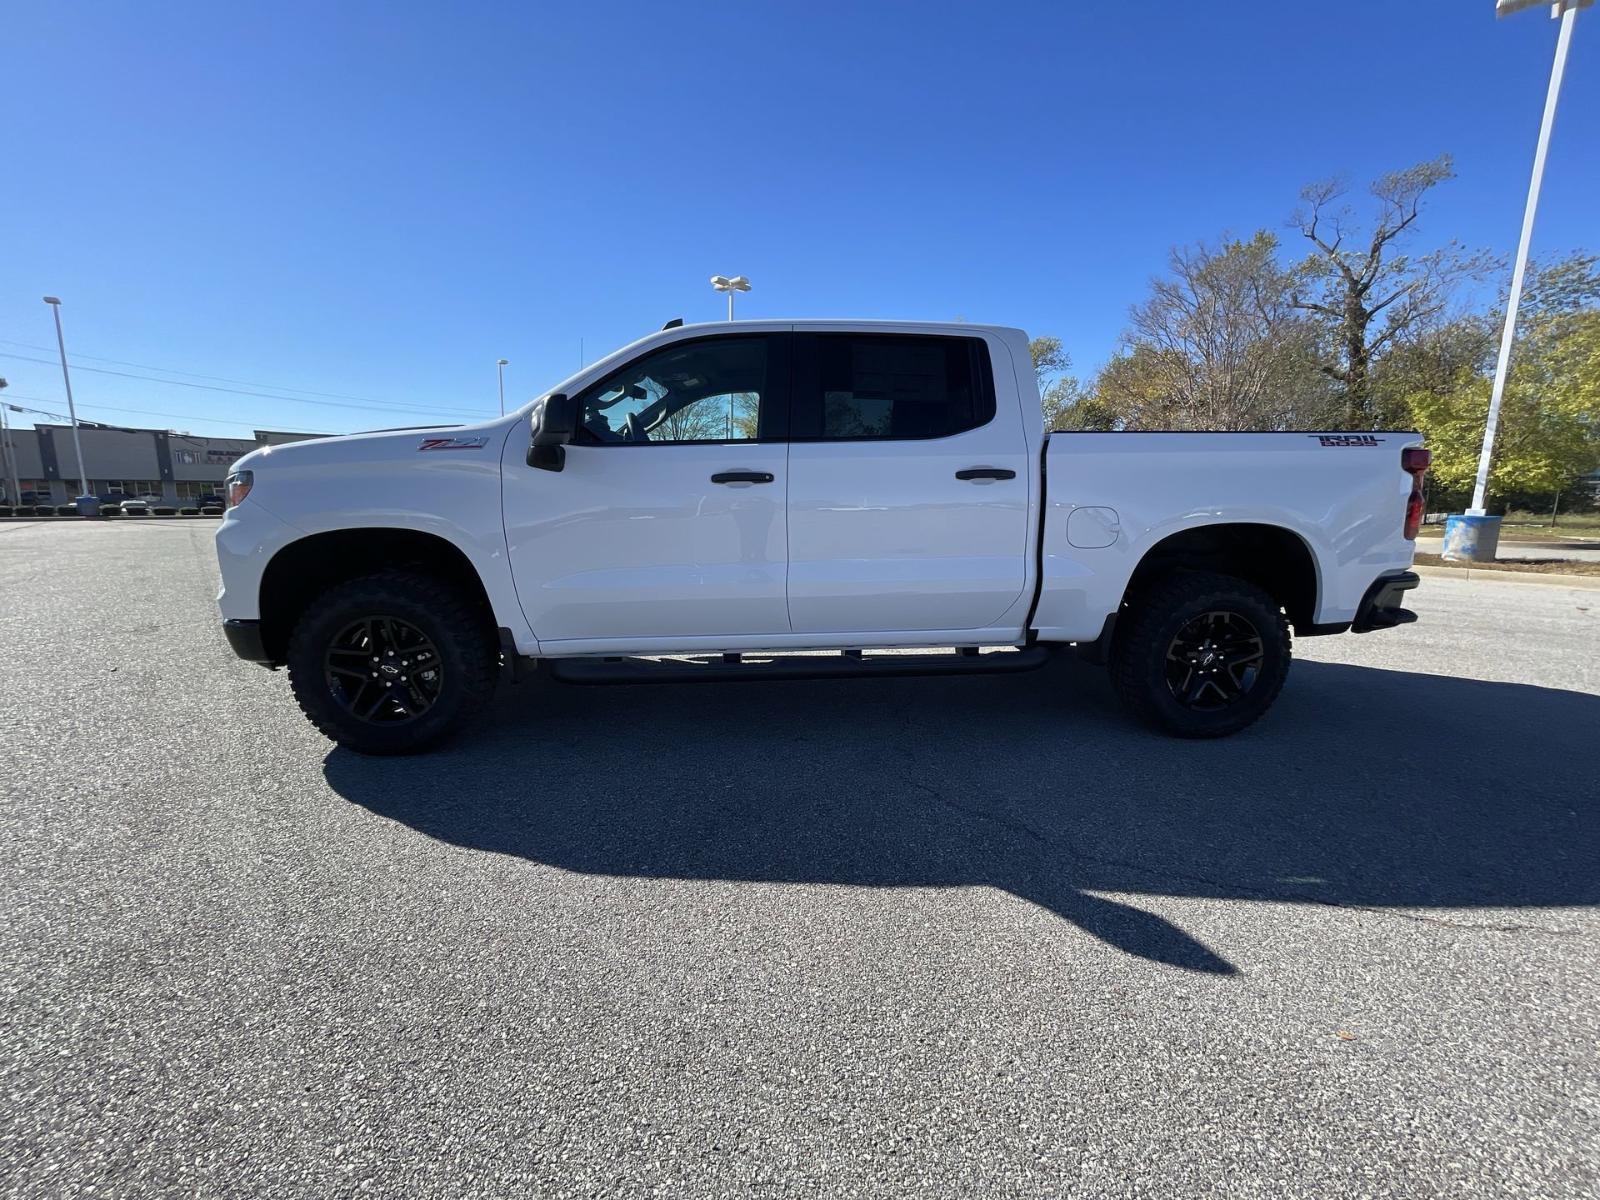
(1446, 922)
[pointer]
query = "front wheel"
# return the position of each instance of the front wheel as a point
(1201, 655)
(391, 663)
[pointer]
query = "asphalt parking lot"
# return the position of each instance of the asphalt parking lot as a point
(881, 938)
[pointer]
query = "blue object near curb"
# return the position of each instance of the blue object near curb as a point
(1471, 539)
(88, 506)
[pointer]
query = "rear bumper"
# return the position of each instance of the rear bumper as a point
(1381, 606)
(245, 638)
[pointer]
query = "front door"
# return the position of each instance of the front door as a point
(908, 486)
(668, 519)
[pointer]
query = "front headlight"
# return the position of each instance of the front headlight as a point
(239, 484)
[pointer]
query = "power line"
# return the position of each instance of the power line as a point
(144, 412)
(147, 412)
(77, 354)
(260, 395)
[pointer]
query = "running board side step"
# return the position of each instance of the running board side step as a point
(848, 664)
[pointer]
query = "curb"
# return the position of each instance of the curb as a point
(1584, 582)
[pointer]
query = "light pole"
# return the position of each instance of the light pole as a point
(72, 413)
(1476, 535)
(501, 364)
(737, 284)
(8, 456)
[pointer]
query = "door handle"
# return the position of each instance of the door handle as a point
(742, 477)
(986, 473)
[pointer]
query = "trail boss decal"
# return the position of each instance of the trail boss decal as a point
(463, 443)
(1347, 439)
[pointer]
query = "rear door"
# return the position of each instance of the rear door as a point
(908, 485)
(667, 519)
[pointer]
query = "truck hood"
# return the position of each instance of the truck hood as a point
(383, 445)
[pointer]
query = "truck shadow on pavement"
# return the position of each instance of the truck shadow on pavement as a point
(1364, 787)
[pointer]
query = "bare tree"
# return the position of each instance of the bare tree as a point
(1365, 290)
(1218, 345)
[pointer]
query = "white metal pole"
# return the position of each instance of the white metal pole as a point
(501, 367)
(8, 460)
(1480, 486)
(730, 304)
(72, 412)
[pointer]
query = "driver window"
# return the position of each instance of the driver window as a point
(709, 391)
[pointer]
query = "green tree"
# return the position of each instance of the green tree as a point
(1133, 390)
(1432, 360)
(1549, 432)
(1060, 393)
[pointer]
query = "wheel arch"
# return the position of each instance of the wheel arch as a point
(305, 568)
(1275, 558)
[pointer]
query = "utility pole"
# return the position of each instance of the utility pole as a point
(8, 454)
(1475, 535)
(72, 412)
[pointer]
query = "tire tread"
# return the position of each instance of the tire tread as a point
(458, 616)
(1141, 639)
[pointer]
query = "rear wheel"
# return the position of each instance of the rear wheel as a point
(1201, 655)
(391, 663)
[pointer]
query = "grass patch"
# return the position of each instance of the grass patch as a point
(1520, 526)
(1536, 566)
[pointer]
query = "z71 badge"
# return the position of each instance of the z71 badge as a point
(460, 443)
(1347, 439)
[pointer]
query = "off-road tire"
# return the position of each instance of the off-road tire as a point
(460, 630)
(1147, 628)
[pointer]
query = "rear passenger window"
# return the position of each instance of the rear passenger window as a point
(892, 386)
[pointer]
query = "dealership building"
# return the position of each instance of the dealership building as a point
(181, 468)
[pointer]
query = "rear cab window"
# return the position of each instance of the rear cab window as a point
(872, 387)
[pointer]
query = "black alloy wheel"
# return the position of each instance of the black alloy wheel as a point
(383, 670)
(1200, 654)
(394, 662)
(1214, 661)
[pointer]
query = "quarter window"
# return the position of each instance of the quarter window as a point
(714, 390)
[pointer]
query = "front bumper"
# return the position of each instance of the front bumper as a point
(1381, 606)
(245, 638)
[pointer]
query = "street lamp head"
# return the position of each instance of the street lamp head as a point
(1504, 8)
(502, 362)
(720, 282)
(737, 284)
(52, 300)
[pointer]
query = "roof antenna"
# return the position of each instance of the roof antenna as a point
(673, 324)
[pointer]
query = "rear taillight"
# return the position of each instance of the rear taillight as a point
(1414, 508)
(1415, 460)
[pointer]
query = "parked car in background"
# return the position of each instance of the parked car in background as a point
(135, 506)
(800, 486)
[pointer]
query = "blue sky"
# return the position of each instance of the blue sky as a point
(379, 200)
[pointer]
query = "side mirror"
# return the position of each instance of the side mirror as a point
(554, 424)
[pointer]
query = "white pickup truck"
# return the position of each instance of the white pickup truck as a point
(714, 500)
